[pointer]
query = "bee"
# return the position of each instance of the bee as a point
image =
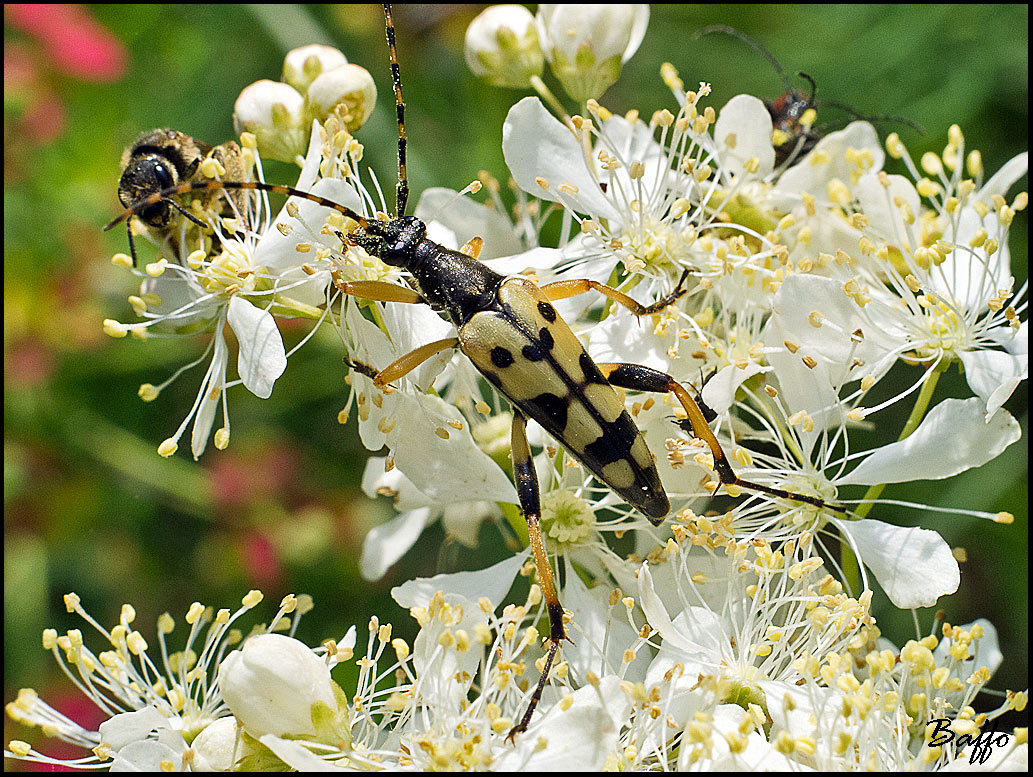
(164, 158)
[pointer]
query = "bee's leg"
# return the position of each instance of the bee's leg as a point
(639, 378)
(132, 245)
(564, 289)
(530, 504)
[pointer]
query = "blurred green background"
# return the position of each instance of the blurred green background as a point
(88, 504)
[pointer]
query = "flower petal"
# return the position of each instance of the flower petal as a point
(914, 566)
(579, 736)
(119, 730)
(537, 145)
(878, 202)
(828, 161)
(599, 639)
(378, 481)
(296, 755)
(952, 438)
(994, 375)
(211, 395)
(467, 219)
(743, 131)
(801, 296)
(388, 542)
(1005, 178)
(492, 582)
(145, 756)
(261, 358)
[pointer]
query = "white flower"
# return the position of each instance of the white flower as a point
(502, 46)
(743, 133)
(742, 613)
(348, 92)
(587, 44)
(274, 112)
(157, 707)
(932, 283)
(273, 685)
(301, 66)
(914, 566)
(388, 542)
(631, 197)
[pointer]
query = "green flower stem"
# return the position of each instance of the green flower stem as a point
(291, 308)
(550, 99)
(851, 571)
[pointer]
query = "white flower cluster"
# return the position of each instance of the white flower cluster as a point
(747, 640)
(788, 673)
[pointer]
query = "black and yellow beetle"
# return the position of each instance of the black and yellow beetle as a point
(509, 329)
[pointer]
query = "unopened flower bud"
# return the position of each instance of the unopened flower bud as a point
(303, 65)
(217, 747)
(347, 92)
(587, 44)
(272, 683)
(274, 113)
(502, 47)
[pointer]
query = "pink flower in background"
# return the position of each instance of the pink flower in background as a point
(65, 39)
(262, 560)
(74, 42)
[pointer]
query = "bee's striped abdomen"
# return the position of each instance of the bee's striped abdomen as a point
(532, 357)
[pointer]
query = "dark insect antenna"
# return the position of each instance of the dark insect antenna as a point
(167, 201)
(755, 45)
(788, 108)
(402, 186)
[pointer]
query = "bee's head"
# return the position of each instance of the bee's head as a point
(143, 178)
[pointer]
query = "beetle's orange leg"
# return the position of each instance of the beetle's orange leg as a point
(530, 504)
(472, 247)
(640, 378)
(563, 289)
(405, 364)
(380, 291)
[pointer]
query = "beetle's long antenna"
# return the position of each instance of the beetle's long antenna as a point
(402, 187)
(814, 87)
(724, 28)
(855, 114)
(192, 186)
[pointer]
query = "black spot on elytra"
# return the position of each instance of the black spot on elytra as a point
(553, 407)
(501, 357)
(535, 351)
(548, 311)
(532, 352)
(590, 369)
(614, 443)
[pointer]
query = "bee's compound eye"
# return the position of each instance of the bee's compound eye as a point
(162, 175)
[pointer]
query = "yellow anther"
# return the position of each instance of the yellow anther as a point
(932, 164)
(221, 438)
